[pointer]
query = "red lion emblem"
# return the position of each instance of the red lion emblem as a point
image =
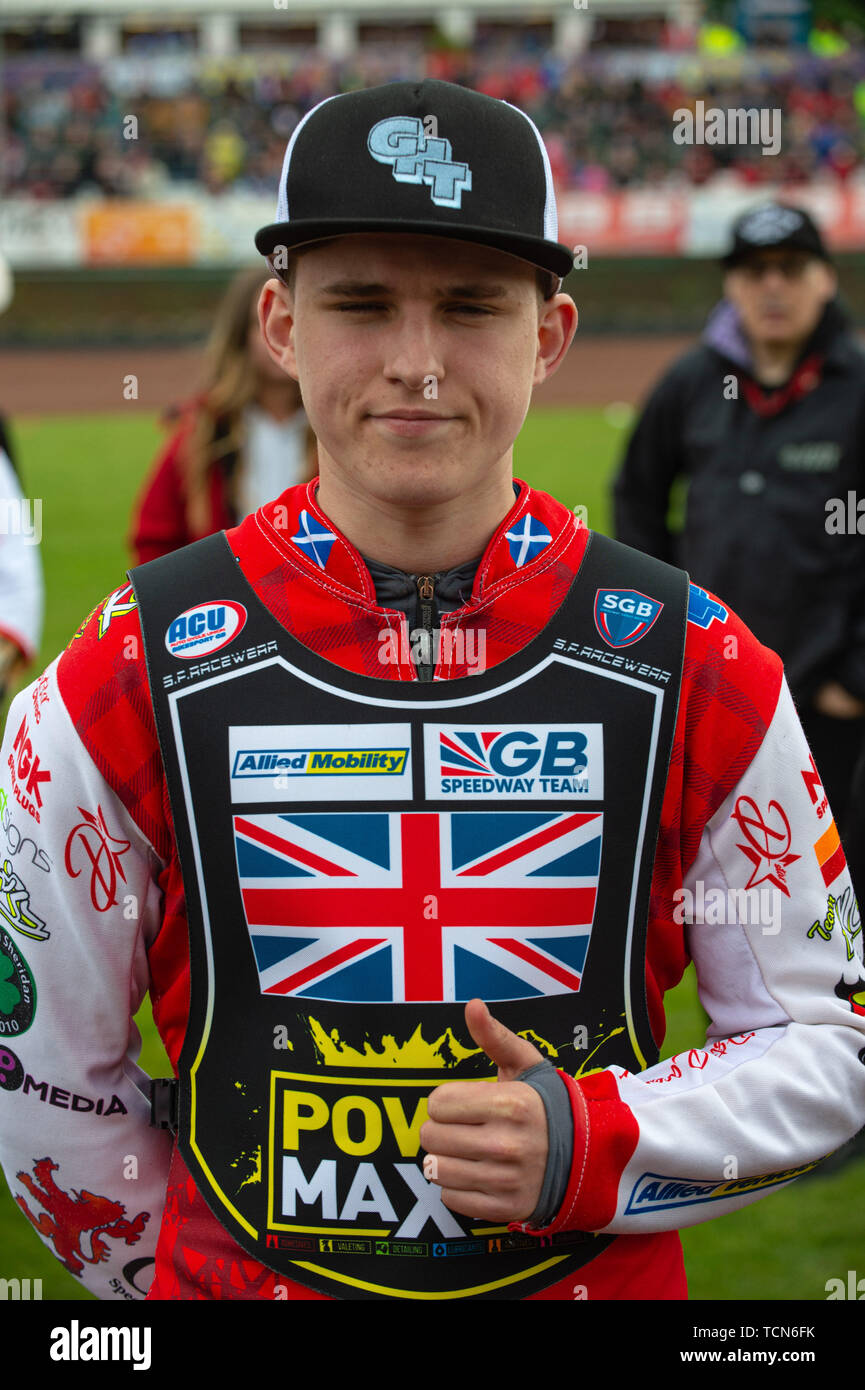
(69, 1216)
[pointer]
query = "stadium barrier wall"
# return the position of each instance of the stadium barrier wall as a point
(175, 306)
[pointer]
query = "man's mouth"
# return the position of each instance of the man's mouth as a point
(410, 422)
(408, 415)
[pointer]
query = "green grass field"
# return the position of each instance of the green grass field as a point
(86, 470)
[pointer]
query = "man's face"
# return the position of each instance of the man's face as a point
(780, 294)
(416, 357)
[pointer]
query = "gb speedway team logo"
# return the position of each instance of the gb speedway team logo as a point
(204, 628)
(623, 616)
(541, 762)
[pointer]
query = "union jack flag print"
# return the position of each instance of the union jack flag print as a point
(419, 905)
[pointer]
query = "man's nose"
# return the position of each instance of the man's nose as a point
(773, 276)
(415, 351)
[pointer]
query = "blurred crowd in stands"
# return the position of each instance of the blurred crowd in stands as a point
(225, 126)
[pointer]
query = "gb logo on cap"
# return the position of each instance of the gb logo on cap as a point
(418, 158)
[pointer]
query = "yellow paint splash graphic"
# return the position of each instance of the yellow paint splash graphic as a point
(540, 1043)
(255, 1159)
(248, 1158)
(584, 1069)
(443, 1053)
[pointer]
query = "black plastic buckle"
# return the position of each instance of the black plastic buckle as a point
(163, 1103)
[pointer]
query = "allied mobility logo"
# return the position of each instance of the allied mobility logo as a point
(204, 629)
(654, 1192)
(623, 616)
(318, 762)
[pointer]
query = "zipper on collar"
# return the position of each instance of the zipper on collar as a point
(425, 653)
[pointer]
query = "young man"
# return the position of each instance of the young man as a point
(387, 826)
(766, 421)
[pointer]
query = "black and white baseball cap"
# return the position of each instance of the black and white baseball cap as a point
(422, 157)
(774, 227)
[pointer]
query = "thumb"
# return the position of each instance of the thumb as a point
(510, 1053)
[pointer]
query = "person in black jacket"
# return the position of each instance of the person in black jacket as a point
(764, 422)
(6, 443)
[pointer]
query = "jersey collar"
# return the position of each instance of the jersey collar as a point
(522, 545)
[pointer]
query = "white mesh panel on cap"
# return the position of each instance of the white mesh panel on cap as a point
(282, 213)
(551, 216)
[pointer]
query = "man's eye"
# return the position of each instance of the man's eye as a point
(367, 306)
(358, 307)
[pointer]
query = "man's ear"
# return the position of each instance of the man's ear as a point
(557, 325)
(733, 287)
(830, 281)
(276, 319)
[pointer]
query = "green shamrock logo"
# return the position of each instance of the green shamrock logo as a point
(10, 995)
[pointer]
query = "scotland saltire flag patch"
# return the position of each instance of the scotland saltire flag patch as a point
(527, 539)
(421, 906)
(313, 539)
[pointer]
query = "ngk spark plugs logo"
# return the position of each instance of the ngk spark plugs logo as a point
(510, 760)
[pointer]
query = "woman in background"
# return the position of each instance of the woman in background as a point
(240, 441)
(22, 597)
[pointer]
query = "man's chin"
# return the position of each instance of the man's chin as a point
(776, 329)
(417, 492)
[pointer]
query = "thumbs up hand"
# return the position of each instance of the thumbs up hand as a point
(487, 1144)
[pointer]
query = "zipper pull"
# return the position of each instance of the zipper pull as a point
(426, 605)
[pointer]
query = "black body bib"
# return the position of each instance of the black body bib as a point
(360, 857)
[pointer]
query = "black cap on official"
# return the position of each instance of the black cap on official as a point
(773, 227)
(422, 157)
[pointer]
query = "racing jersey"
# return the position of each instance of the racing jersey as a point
(749, 881)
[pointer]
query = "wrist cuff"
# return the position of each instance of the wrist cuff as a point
(552, 1090)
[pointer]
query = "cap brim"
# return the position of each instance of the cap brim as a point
(546, 255)
(734, 258)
